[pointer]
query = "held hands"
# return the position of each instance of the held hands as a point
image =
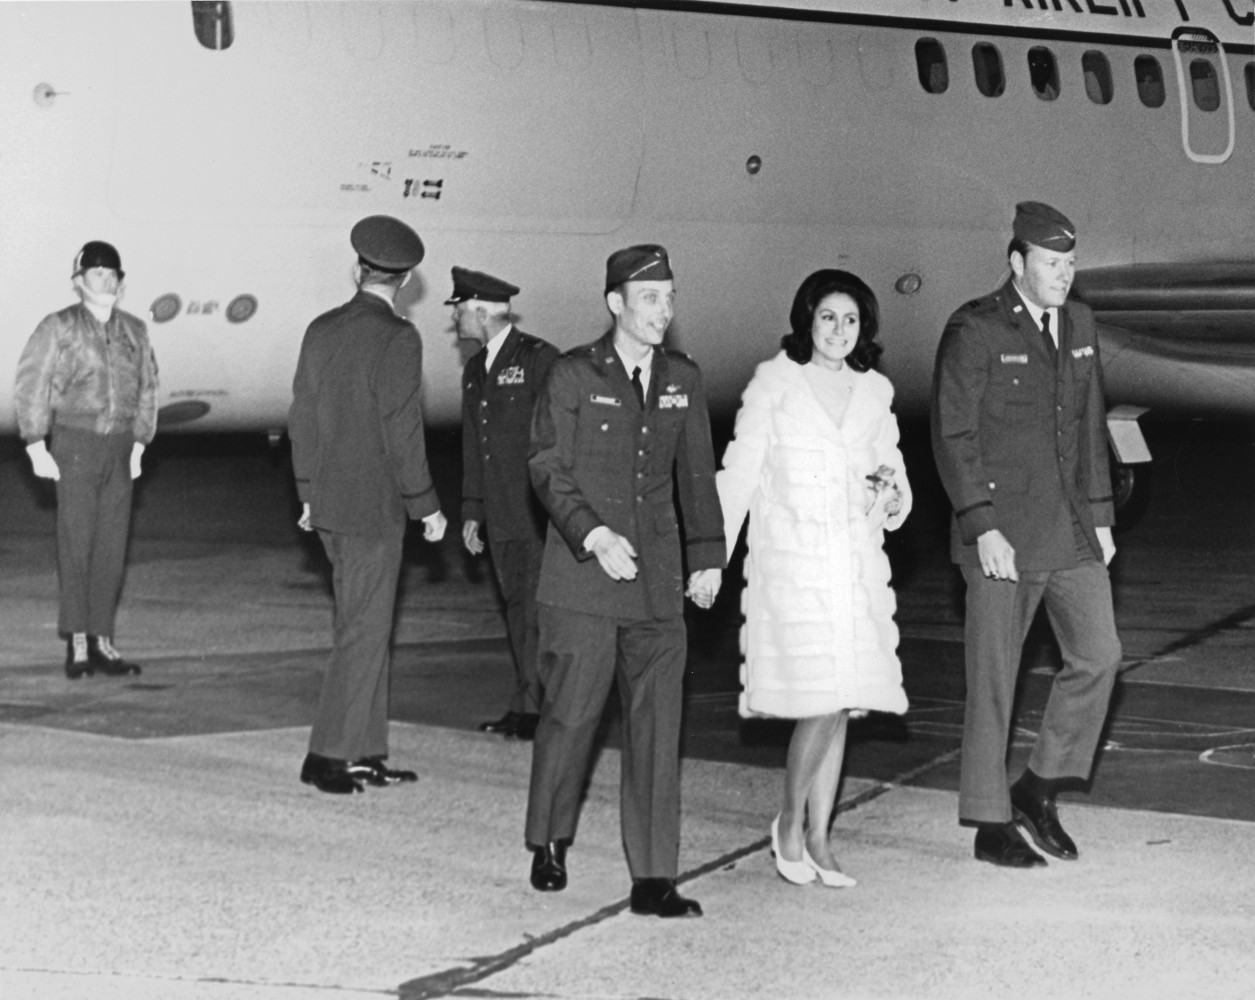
(613, 552)
(45, 465)
(703, 587)
(470, 537)
(433, 526)
(137, 451)
(997, 557)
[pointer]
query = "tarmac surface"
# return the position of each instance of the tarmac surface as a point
(155, 841)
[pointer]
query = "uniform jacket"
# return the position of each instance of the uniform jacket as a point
(77, 372)
(497, 408)
(819, 634)
(1018, 435)
(597, 459)
(358, 450)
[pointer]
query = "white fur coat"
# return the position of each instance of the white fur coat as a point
(819, 634)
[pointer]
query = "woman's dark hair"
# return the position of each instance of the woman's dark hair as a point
(799, 344)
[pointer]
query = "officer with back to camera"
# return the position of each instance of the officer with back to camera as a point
(360, 462)
(499, 387)
(87, 380)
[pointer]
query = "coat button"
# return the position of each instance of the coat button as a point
(605, 427)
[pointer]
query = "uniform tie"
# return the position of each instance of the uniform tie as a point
(1045, 332)
(640, 389)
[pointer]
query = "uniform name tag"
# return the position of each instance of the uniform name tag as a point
(605, 400)
(676, 401)
(1015, 359)
(513, 375)
(1083, 352)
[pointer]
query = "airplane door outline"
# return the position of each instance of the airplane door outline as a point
(1201, 37)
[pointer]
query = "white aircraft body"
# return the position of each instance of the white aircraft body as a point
(226, 149)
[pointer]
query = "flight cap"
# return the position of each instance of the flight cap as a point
(97, 253)
(1039, 224)
(469, 284)
(643, 262)
(386, 244)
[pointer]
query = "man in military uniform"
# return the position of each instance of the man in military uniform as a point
(88, 379)
(499, 388)
(360, 463)
(619, 430)
(1019, 435)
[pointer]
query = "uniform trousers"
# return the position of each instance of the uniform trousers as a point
(580, 655)
(93, 523)
(517, 566)
(999, 613)
(352, 719)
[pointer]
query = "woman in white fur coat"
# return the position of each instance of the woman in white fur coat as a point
(816, 466)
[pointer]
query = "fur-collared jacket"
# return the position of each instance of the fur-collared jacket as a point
(819, 634)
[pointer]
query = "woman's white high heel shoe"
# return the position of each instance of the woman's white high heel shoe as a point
(830, 878)
(797, 872)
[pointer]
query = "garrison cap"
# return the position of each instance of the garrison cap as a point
(1038, 223)
(469, 284)
(97, 253)
(643, 262)
(386, 244)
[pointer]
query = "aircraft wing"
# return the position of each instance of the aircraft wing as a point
(1176, 337)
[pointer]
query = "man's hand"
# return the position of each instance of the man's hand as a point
(137, 452)
(1108, 544)
(997, 557)
(433, 526)
(470, 537)
(703, 587)
(303, 521)
(613, 552)
(45, 465)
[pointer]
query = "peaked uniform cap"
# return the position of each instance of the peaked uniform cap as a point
(643, 262)
(97, 253)
(386, 243)
(468, 284)
(1039, 224)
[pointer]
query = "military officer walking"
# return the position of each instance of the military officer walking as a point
(1019, 435)
(360, 463)
(499, 387)
(620, 429)
(87, 380)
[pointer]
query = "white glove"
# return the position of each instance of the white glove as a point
(1107, 543)
(137, 451)
(45, 465)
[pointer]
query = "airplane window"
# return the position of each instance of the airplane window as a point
(1250, 85)
(1097, 72)
(212, 22)
(1149, 77)
(930, 60)
(987, 63)
(1043, 73)
(1205, 85)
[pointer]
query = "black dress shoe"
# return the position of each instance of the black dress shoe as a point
(658, 897)
(507, 725)
(74, 669)
(374, 771)
(549, 867)
(1001, 844)
(106, 659)
(1037, 814)
(526, 728)
(328, 774)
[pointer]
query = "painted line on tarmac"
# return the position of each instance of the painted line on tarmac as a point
(1234, 620)
(442, 984)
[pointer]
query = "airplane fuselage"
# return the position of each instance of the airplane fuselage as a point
(757, 142)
